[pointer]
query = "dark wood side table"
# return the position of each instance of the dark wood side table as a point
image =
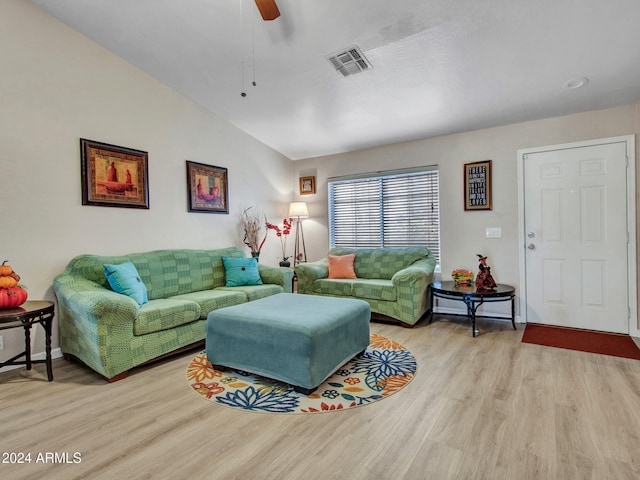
(473, 298)
(26, 315)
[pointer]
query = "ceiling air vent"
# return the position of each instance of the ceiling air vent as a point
(349, 61)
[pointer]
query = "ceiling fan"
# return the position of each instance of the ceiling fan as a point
(268, 9)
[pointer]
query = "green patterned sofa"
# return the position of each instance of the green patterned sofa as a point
(394, 281)
(111, 333)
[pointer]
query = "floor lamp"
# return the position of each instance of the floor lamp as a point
(299, 210)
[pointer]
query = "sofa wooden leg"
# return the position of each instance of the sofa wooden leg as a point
(120, 376)
(407, 325)
(73, 358)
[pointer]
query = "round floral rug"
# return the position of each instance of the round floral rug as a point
(383, 369)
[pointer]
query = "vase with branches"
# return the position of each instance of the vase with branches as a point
(254, 223)
(282, 234)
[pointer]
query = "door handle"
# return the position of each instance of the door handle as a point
(531, 246)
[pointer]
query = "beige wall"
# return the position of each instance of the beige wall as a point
(463, 233)
(56, 86)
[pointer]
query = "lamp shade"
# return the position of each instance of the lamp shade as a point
(298, 209)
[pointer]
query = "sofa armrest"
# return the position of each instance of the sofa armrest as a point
(85, 300)
(412, 284)
(415, 274)
(277, 275)
(414, 280)
(310, 272)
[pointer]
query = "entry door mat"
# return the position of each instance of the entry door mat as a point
(613, 344)
(385, 368)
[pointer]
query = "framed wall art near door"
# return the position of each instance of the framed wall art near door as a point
(113, 176)
(477, 185)
(207, 188)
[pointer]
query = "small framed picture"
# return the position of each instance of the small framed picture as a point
(477, 185)
(207, 188)
(307, 185)
(113, 176)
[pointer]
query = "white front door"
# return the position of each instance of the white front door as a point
(575, 228)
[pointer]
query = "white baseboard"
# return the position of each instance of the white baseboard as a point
(55, 353)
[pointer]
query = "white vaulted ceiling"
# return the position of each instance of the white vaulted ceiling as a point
(439, 66)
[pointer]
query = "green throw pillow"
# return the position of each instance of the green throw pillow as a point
(241, 271)
(124, 279)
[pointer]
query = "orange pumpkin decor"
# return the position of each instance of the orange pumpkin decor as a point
(11, 294)
(8, 282)
(5, 269)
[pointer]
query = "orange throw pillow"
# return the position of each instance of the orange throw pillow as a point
(341, 266)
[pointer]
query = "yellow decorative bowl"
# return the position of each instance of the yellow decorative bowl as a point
(461, 276)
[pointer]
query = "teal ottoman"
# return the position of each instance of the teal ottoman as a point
(297, 339)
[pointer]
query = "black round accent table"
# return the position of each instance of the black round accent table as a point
(26, 315)
(473, 298)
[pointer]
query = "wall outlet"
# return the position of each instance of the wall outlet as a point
(1, 342)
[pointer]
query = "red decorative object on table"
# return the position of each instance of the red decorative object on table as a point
(484, 280)
(11, 294)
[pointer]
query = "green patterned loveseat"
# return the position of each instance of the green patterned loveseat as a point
(394, 281)
(111, 333)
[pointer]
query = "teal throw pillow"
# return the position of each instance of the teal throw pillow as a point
(124, 279)
(241, 271)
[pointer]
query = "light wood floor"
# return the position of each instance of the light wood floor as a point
(483, 408)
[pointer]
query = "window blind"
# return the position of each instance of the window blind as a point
(394, 210)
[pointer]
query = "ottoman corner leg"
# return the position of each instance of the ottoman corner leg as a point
(304, 391)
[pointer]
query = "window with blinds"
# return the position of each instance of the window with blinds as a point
(389, 210)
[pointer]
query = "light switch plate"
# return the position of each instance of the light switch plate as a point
(493, 232)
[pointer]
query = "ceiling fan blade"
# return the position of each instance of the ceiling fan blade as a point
(268, 9)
